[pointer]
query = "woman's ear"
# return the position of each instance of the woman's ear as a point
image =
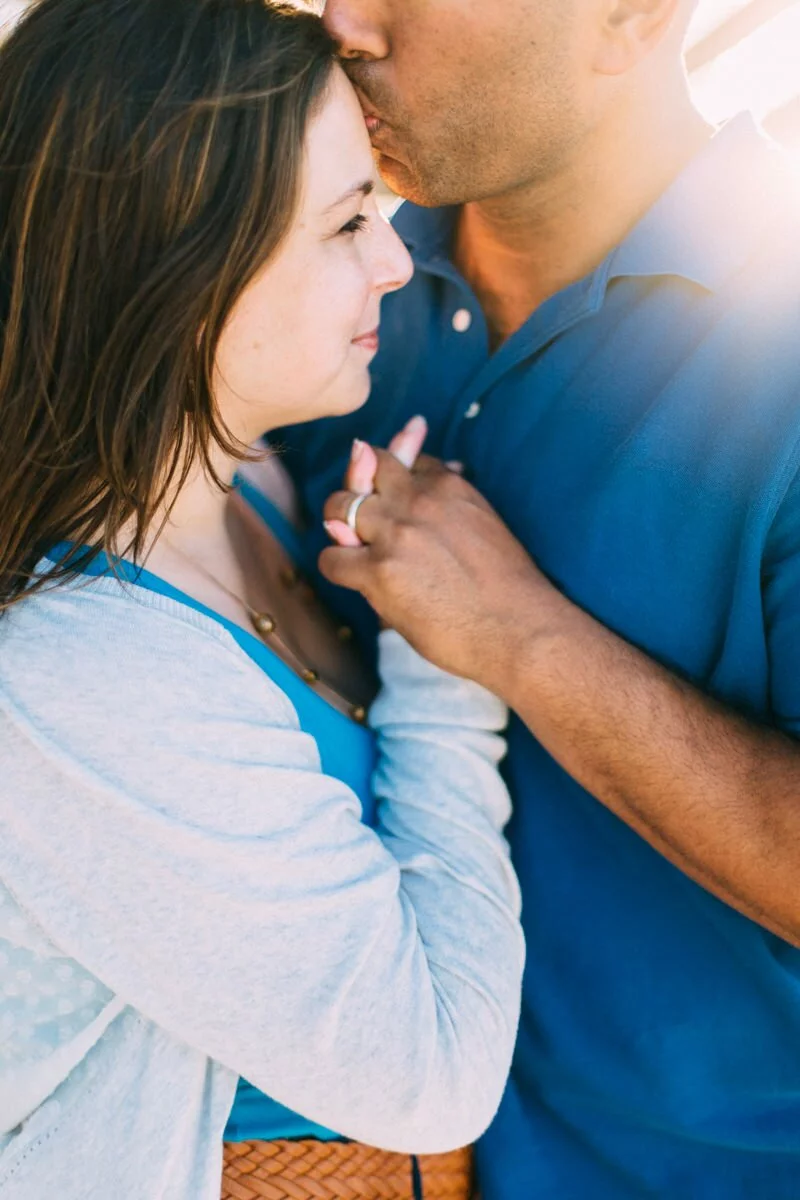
(632, 29)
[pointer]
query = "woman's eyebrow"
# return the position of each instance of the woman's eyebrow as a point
(360, 189)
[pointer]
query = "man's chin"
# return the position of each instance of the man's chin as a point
(397, 177)
(401, 180)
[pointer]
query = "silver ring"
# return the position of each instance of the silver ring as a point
(352, 512)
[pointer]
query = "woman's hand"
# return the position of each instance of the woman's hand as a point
(437, 563)
(406, 447)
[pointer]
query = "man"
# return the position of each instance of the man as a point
(604, 327)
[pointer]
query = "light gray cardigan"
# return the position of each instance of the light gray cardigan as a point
(185, 897)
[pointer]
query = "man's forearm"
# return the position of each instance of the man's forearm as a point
(714, 793)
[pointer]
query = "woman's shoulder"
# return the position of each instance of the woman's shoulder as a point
(105, 686)
(107, 646)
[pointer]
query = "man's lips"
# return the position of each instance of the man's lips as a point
(372, 119)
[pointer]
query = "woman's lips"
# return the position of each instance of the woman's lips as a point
(373, 123)
(368, 341)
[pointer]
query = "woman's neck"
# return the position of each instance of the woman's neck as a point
(197, 514)
(192, 519)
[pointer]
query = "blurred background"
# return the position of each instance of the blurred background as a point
(741, 54)
(746, 54)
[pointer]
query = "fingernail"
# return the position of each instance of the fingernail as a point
(406, 455)
(456, 467)
(357, 452)
(342, 534)
(416, 423)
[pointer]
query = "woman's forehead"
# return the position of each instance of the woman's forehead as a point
(338, 157)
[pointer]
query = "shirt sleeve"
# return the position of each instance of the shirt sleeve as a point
(168, 824)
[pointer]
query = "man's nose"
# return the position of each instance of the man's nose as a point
(358, 26)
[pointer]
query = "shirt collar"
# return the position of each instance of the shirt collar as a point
(427, 232)
(703, 228)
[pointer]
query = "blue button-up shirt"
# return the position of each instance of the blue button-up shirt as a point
(641, 436)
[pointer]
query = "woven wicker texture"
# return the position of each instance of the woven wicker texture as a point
(309, 1170)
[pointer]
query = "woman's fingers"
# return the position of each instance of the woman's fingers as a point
(342, 534)
(362, 473)
(389, 500)
(407, 444)
(382, 471)
(368, 518)
(405, 447)
(360, 477)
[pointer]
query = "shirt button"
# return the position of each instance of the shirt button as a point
(462, 320)
(472, 411)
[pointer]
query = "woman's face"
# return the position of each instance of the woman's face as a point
(301, 337)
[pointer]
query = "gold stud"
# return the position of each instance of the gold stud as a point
(263, 623)
(359, 714)
(289, 577)
(344, 633)
(309, 676)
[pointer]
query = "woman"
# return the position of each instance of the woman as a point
(198, 882)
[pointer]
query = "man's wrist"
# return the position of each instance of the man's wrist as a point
(535, 616)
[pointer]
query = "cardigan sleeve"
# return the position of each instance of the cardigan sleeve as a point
(167, 823)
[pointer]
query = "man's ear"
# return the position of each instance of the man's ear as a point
(632, 29)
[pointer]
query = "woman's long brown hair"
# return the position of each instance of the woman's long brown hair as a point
(150, 163)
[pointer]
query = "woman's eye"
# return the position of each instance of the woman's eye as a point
(357, 225)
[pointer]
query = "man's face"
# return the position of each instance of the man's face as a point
(468, 98)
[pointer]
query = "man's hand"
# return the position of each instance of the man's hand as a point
(438, 565)
(714, 793)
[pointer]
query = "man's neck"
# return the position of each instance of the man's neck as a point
(520, 249)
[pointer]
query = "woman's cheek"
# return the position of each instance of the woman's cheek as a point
(354, 291)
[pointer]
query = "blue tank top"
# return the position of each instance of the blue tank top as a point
(347, 753)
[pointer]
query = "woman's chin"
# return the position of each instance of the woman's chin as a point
(350, 400)
(336, 401)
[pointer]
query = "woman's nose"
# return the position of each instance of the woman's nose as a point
(393, 265)
(358, 27)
